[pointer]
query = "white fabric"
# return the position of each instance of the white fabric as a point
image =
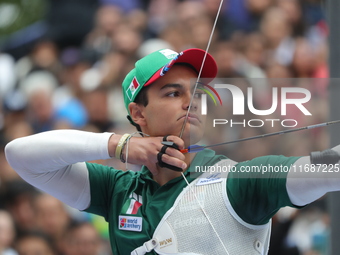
(305, 185)
(49, 161)
(146, 247)
(181, 229)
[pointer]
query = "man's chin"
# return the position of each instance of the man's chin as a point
(192, 137)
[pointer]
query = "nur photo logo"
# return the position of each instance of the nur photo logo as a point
(209, 90)
(280, 102)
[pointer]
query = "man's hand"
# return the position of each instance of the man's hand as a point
(144, 150)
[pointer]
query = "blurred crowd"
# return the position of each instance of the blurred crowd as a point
(71, 75)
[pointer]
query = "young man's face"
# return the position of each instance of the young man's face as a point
(169, 98)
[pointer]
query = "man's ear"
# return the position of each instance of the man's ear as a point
(136, 113)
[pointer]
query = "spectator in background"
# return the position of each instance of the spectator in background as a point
(96, 104)
(282, 223)
(34, 243)
(6, 172)
(126, 6)
(83, 239)
(75, 62)
(126, 40)
(18, 201)
(52, 218)
(14, 107)
(7, 233)
(277, 35)
(70, 21)
(254, 49)
(137, 19)
(226, 57)
(108, 18)
(293, 10)
(7, 74)
(43, 56)
(255, 38)
(304, 59)
(160, 14)
(253, 12)
(38, 88)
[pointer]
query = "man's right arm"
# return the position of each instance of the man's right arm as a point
(54, 162)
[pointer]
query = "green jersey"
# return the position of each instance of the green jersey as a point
(133, 203)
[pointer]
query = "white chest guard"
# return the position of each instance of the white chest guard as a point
(185, 229)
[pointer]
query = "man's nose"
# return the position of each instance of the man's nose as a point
(189, 99)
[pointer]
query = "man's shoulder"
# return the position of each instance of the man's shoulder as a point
(105, 171)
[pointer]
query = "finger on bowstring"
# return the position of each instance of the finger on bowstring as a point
(178, 141)
(165, 165)
(171, 151)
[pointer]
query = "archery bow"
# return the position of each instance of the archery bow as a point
(196, 148)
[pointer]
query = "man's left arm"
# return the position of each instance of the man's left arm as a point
(309, 180)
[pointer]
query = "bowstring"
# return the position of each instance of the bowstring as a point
(200, 72)
(186, 119)
(205, 214)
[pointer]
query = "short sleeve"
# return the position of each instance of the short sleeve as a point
(105, 182)
(257, 188)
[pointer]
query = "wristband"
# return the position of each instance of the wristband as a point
(120, 145)
(121, 153)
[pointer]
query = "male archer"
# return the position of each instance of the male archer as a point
(157, 210)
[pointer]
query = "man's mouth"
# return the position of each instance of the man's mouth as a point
(191, 117)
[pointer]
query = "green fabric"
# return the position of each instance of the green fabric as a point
(257, 196)
(144, 69)
(110, 189)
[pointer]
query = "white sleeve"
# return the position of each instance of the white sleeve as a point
(54, 162)
(305, 185)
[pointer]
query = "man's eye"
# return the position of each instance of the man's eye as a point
(173, 94)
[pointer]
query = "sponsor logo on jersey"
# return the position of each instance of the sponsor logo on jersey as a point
(165, 243)
(213, 178)
(130, 223)
(191, 221)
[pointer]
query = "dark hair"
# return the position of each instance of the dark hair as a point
(38, 235)
(142, 99)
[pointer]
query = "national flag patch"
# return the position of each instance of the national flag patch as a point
(132, 205)
(131, 90)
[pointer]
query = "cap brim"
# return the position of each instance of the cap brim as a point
(195, 58)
